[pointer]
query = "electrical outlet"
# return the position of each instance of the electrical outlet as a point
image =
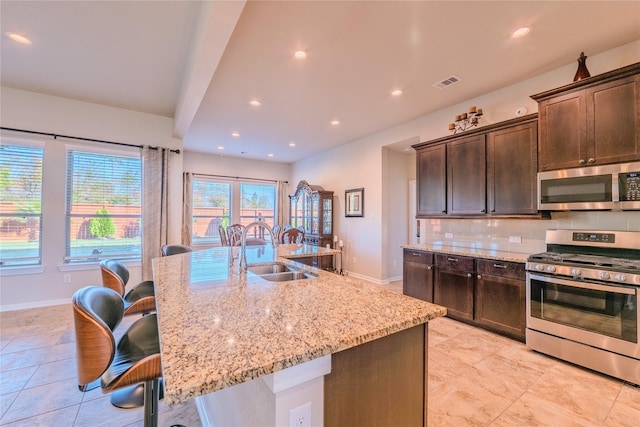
(515, 239)
(448, 235)
(67, 278)
(300, 416)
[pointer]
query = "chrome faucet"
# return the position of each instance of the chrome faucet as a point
(243, 242)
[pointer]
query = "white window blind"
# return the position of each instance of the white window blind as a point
(103, 207)
(20, 204)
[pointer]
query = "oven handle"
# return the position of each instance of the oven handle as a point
(584, 285)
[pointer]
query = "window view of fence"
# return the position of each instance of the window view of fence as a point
(214, 206)
(104, 209)
(20, 204)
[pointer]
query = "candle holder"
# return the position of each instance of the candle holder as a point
(466, 121)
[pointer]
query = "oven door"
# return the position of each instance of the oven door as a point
(600, 315)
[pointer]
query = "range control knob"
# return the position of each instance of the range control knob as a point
(551, 268)
(576, 272)
(620, 277)
(604, 275)
(539, 267)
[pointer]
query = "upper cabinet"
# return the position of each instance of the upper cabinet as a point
(487, 171)
(591, 122)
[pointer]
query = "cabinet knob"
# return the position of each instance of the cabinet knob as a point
(483, 211)
(582, 161)
(591, 160)
(469, 274)
(428, 267)
(452, 259)
(479, 276)
(493, 210)
(444, 211)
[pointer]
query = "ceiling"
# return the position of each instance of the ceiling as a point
(201, 63)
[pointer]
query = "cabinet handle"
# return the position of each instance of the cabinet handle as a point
(483, 211)
(479, 276)
(444, 211)
(493, 210)
(452, 259)
(469, 274)
(415, 254)
(429, 267)
(499, 266)
(591, 160)
(582, 161)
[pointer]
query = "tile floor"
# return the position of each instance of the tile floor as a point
(476, 378)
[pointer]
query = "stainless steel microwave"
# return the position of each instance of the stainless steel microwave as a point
(607, 187)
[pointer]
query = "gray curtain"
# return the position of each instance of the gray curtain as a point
(155, 172)
(282, 203)
(187, 208)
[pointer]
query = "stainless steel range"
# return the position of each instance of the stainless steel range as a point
(582, 300)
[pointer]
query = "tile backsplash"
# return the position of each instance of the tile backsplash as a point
(521, 235)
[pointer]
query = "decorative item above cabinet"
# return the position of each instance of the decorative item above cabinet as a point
(593, 121)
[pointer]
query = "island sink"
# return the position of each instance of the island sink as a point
(279, 272)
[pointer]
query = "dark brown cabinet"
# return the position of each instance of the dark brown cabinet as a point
(417, 274)
(512, 166)
(466, 176)
(488, 171)
(591, 122)
(432, 185)
(454, 285)
(501, 297)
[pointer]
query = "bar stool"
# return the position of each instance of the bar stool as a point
(139, 299)
(168, 250)
(135, 359)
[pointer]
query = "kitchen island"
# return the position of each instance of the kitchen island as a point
(258, 352)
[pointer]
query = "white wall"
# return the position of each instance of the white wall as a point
(50, 114)
(231, 166)
(360, 164)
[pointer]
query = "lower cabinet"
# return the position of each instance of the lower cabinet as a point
(501, 297)
(453, 285)
(417, 274)
(483, 292)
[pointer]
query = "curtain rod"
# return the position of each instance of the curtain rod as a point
(56, 136)
(237, 177)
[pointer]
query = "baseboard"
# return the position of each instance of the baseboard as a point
(35, 304)
(371, 279)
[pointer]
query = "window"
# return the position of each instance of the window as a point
(20, 204)
(211, 208)
(104, 212)
(219, 202)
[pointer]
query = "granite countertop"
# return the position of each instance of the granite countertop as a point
(219, 327)
(473, 252)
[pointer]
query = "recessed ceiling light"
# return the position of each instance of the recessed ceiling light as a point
(396, 92)
(335, 122)
(235, 134)
(520, 32)
(18, 38)
(255, 103)
(292, 144)
(270, 154)
(220, 147)
(300, 54)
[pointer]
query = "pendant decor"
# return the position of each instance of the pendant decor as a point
(582, 72)
(466, 121)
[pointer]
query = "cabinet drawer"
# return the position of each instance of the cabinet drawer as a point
(512, 270)
(454, 263)
(418, 256)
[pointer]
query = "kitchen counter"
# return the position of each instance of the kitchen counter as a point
(472, 252)
(219, 327)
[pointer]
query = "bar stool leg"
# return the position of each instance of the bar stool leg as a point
(151, 397)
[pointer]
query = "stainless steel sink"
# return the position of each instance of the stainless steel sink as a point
(279, 272)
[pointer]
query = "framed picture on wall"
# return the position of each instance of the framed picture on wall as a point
(354, 202)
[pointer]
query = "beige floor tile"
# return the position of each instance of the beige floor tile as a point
(60, 417)
(473, 346)
(622, 415)
(5, 401)
(53, 372)
(40, 400)
(630, 396)
(30, 342)
(100, 412)
(15, 379)
(9, 332)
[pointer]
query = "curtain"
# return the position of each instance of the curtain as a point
(187, 208)
(155, 172)
(282, 203)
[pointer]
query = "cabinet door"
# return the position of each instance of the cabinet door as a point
(613, 122)
(453, 285)
(432, 181)
(417, 277)
(563, 128)
(512, 165)
(501, 297)
(466, 176)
